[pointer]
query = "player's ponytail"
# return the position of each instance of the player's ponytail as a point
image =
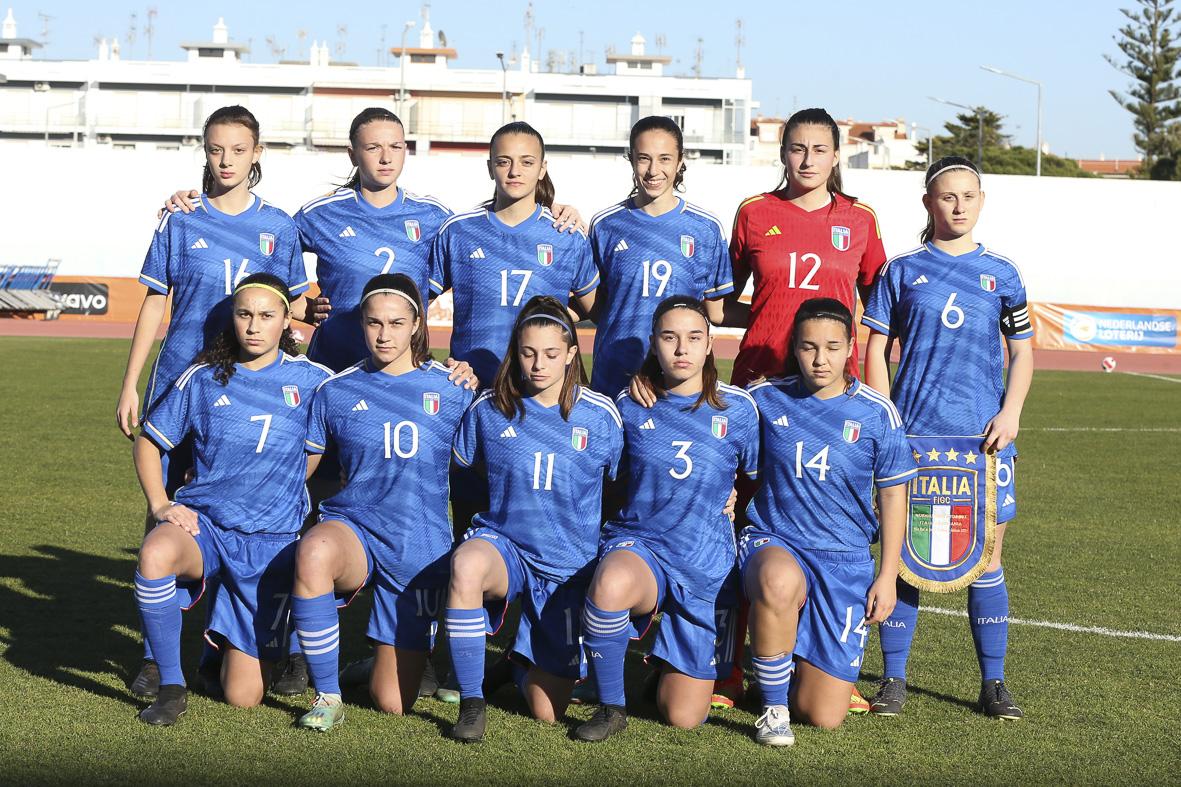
(937, 168)
(364, 118)
(403, 287)
(668, 126)
(541, 310)
(222, 353)
(815, 117)
(822, 309)
(227, 116)
(651, 374)
(544, 194)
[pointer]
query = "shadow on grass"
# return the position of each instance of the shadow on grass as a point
(912, 688)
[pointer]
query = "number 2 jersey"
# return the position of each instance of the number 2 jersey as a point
(353, 241)
(545, 476)
(950, 313)
(248, 442)
(821, 459)
(681, 465)
(642, 260)
(199, 257)
(795, 255)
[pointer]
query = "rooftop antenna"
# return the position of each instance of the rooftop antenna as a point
(529, 24)
(150, 28)
(277, 51)
(540, 38)
(739, 41)
(249, 50)
(302, 35)
(698, 57)
(45, 19)
(131, 38)
(661, 41)
(442, 40)
(380, 52)
(341, 32)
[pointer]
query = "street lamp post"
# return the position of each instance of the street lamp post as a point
(1039, 109)
(402, 69)
(917, 128)
(503, 89)
(979, 127)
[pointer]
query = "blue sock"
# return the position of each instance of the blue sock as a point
(897, 632)
(467, 637)
(520, 678)
(774, 677)
(988, 611)
(317, 629)
(144, 631)
(159, 609)
(604, 640)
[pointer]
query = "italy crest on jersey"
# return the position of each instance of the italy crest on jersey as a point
(687, 245)
(413, 231)
(291, 395)
(987, 282)
(840, 238)
(852, 431)
(430, 403)
(266, 242)
(719, 426)
(545, 254)
(578, 438)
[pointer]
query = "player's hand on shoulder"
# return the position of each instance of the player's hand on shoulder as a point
(1001, 431)
(319, 309)
(640, 393)
(181, 201)
(462, 374)
(568, 219)
(127, 413)
(880, 601)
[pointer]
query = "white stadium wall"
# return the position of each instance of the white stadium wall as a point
(1078, 241)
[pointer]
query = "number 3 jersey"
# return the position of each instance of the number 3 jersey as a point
(950, 314)
(200, 257)
(545, 476)
(681, 465)
(353, 241)
(394, 437)
(821, 459)
(248, 442)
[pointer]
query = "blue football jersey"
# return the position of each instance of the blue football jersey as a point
(353, 242)
(545, 476)
(950, 315)
(821, 459)
(200, 257)
(642, 260)
(248, 442)
(681, 466)
(493, 270)
(394, 438)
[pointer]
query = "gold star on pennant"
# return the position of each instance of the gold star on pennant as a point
(932, 455)
(970, 457)
(952, 455)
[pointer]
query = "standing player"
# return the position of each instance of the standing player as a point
(245, 405)
(649, 247)
(828, 440)
(545, 442)
(392, 418)
(949, 302)
(672, 548)
(197, 260)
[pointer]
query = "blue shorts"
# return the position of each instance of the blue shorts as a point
(830, 635)
(550, 632)
(696, 636)
(257, 575)
(1006, 488)
(402, 616)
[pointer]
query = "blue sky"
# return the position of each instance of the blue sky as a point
(869, 60)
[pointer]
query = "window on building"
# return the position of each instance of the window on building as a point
(422, 58)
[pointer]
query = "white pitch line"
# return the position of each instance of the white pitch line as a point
(1098, 429)
(1154, 376)
(959, 613)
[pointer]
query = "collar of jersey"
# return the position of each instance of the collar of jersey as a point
(240, 369)
(938, 253)
(255, 204)
(524, 226)
(819, 213)
(393, 207)
(389, 378)
(663, 217)
(807, 393)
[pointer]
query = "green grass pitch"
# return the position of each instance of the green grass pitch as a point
(1097, 543)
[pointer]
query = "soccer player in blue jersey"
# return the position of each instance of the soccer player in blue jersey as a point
(245, 404)
(545, 442)
(949, 303)
(671, 548)
(827, 441)
(197, 260)
(649, 247)
(392, 417)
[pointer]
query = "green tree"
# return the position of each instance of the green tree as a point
(1152, 61)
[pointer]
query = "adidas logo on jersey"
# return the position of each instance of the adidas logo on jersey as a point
(773, 231)
(200, 244)
(348, 233)
(921, 280)
(360, 406)
(648, 424)
(222, 402)
(621, 246)
(510, 432)
(780, 421)
(478, 254)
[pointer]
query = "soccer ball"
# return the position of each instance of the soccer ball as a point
(1108, 364)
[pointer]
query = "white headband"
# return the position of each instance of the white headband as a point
(389, 291)
(931, 179)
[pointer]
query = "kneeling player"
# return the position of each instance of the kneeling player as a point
(828, 440)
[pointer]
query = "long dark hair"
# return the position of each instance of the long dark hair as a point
(364, 118)
(657, 123)
(937, 168)
(814, 117)
(222, 354)
(420, 351)
(821, 309)
(227, 116)
(545, 187)
(541, 310)
(651, 374)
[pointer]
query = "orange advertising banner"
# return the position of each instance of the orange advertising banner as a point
(1105, 329)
